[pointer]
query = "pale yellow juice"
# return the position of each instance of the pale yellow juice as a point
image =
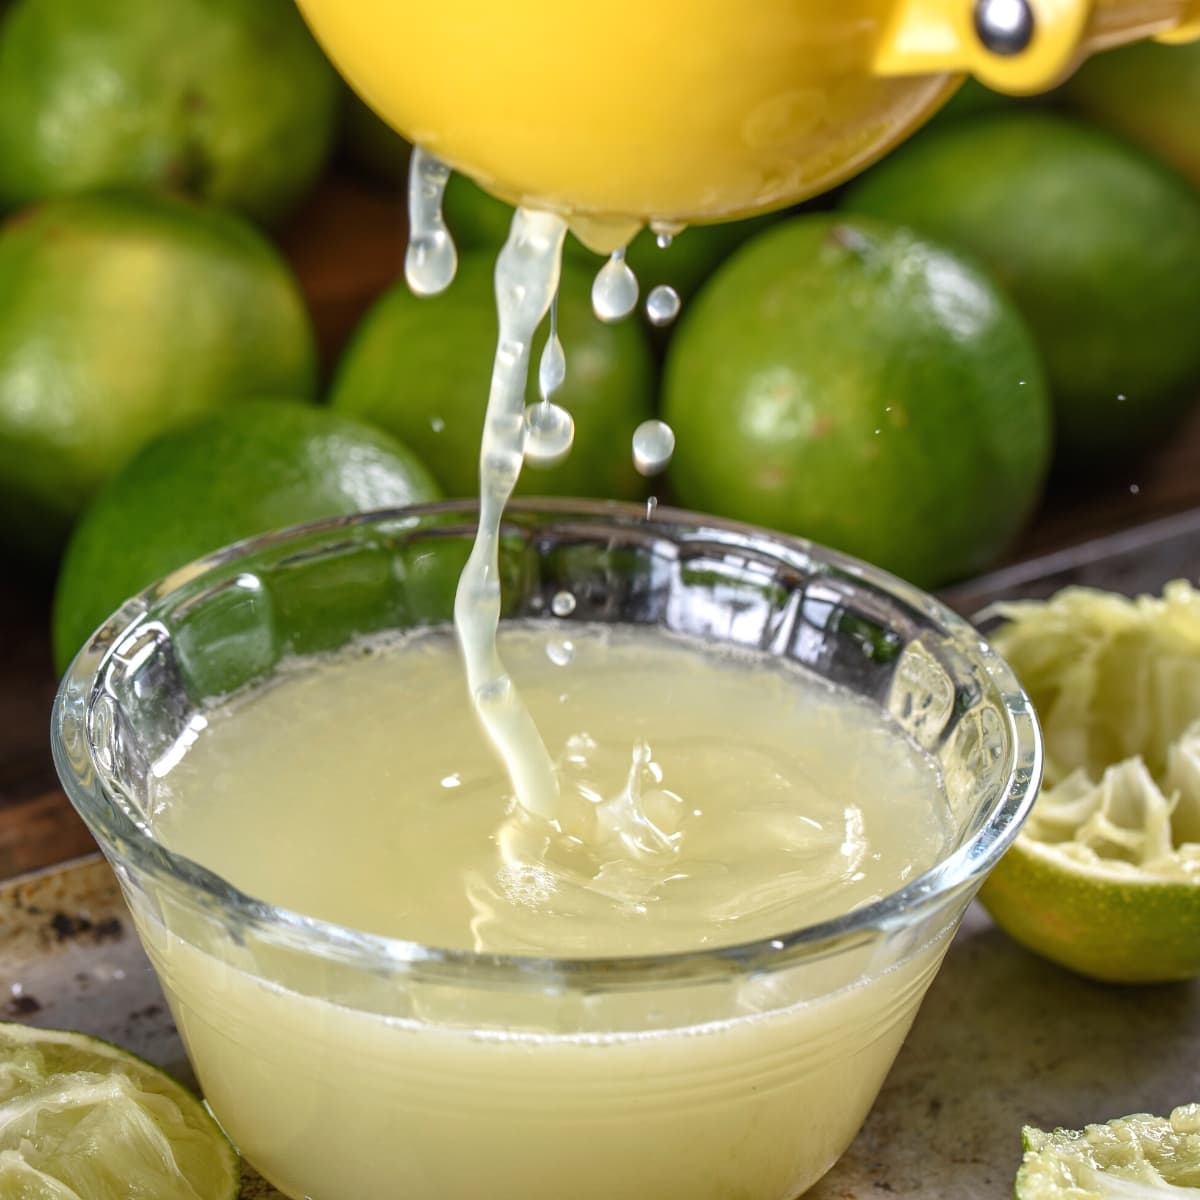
(706, 800)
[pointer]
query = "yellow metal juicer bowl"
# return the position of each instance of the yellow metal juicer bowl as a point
(684, 111)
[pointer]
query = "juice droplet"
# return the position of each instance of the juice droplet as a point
(552, 370)
(549, 434)
(615, 291)
(665, 232)
(431, 259)
(563, 604)
(662, 305)
(549, 428)
(653, 445)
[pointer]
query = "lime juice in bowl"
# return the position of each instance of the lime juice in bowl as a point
(644, 1001)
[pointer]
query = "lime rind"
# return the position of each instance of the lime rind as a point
(81, 1118)
(1140, 1157)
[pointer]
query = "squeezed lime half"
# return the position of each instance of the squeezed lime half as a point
(1105, 876)
(80, 1118)
(1132, 1158)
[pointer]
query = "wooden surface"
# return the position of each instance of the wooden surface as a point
(347, 246)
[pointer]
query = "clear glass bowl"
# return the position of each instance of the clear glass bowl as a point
(354, 1067)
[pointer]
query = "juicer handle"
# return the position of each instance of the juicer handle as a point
(1022, 46)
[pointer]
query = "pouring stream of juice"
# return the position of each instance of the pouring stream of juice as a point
(527, 273)
(526, 279)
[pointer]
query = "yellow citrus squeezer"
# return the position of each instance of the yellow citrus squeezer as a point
(624, 111)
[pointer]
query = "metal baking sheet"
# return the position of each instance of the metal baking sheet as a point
(1133, 561)
(1003, 1039)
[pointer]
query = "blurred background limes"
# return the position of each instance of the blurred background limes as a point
(1098, 244)
(122, 316)
(844, 379)
(227, 100)
(896, 432)
(258, 467)
(1148, 93)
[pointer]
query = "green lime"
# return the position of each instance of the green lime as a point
(1096, 242)
(228, 100)
(122, 317)
(1105, 876)
(1132, 1158)
(845, 380)
(1148, 93)
(246, 471)
(82, 1118)
(420, 369)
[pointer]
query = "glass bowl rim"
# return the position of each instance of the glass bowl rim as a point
(123, 838)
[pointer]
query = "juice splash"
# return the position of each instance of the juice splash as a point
(757, 798)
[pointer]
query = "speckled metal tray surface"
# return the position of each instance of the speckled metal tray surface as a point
(1002, 1040)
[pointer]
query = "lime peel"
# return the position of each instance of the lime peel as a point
(81, 1118)
(1140, 1157)
(1105, 876)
